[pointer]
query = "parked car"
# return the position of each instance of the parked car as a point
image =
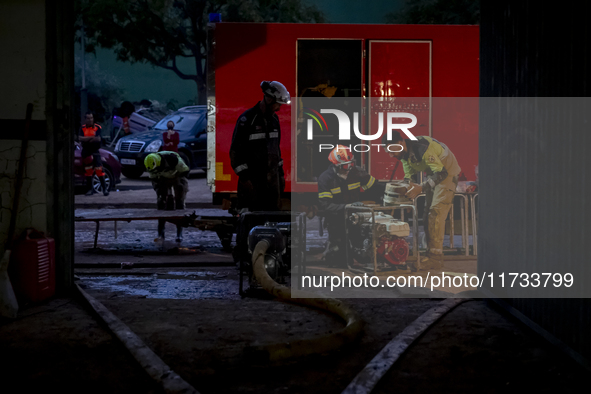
(111, 167)
(190, 122)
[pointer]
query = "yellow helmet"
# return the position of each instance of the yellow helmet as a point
(152, 161)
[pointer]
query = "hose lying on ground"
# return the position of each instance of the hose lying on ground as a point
(303, 347)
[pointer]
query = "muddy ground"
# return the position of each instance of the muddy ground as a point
(59, 346)
(206, 341)
(182, 300)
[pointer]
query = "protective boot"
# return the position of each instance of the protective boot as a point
(179, 204)
(333, 256)
(161, 227)
(104, 186)
(179, 233)
(90, 191)
(170, 203)
(432, 262)
(412, 266)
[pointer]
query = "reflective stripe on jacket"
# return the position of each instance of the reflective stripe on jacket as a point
(335, 192)
(256, 142)
(171, 166)
(431, 156)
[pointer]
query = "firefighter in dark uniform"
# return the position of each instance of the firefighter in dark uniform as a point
(255, 152)
(341, 184)
(89, 137)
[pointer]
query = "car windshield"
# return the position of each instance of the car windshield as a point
(182, 122)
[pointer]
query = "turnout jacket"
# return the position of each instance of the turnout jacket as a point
(335, 192)
(171, 166)
(431, 156)
(255, 144)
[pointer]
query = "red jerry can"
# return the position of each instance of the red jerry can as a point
(32, 266)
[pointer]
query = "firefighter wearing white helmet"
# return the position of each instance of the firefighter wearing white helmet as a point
(341, 184)
(255, 152)
(277, 91)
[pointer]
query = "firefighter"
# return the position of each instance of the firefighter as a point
(168, 171)
(255, 152)
(89, 137)
(439, 163)
(341, 184)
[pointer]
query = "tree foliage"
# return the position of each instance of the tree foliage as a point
(104, 91)
(159, 32)
(440, 12)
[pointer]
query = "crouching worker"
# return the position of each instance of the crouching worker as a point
(168, 172)
(341, 184)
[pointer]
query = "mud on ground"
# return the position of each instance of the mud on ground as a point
(474, 348)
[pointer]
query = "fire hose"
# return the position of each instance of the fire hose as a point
(308, 346)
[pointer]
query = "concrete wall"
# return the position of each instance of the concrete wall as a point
(37, 41)
(22, 76)
(534, 165)
(32, 210)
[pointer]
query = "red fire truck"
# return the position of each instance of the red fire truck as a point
(438, 65)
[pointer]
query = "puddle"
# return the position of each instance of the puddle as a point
(154, 287)
(195, 273)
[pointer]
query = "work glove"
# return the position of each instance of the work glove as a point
(414, 190)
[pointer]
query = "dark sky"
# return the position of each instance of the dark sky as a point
(143, 81)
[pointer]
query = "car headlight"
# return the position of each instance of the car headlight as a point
(118, 146)
(154, 146)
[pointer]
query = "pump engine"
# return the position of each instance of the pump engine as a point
(381, 233)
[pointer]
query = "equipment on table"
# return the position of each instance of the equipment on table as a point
(376, 240)
(393, 194)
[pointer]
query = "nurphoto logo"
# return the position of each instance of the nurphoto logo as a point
(391, 119)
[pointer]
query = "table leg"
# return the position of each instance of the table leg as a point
(452, 226)
(96, 233)
(474, 226)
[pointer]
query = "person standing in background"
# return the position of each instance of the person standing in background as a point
(170, 138)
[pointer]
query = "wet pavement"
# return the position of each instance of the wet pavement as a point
(138, 193)
(194, 319)
(172, 285)
(141, 235)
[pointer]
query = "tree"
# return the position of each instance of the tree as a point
(159, 32)
(104, 92)
(443, 12)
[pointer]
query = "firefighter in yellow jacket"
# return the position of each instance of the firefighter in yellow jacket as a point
(168, 171)
(439, 163)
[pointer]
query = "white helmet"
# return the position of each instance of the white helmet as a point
(277, 91)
